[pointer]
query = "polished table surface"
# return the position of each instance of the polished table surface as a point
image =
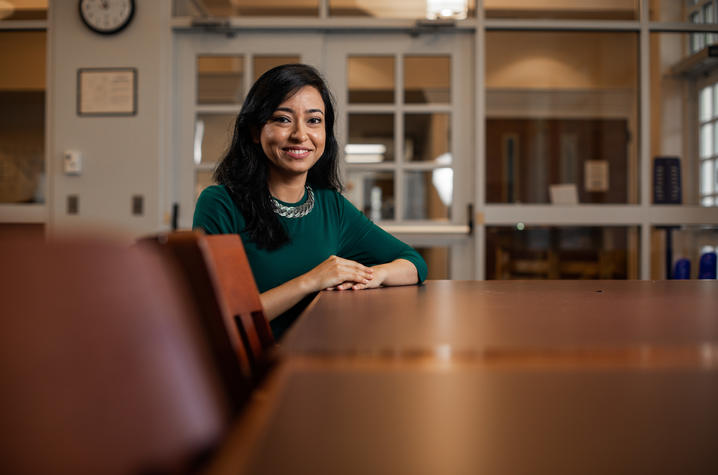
(591, 377)
(485, 316)
(470, 420)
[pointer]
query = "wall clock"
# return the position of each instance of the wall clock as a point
(107, 17)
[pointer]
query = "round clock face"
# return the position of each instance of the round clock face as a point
(107, 16)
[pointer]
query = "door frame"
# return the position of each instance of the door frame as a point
(456, 233)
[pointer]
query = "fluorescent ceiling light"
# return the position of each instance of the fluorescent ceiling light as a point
(364, 158)
(364, 148)
(364, 152)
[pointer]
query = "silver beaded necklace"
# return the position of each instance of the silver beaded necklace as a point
(295, 211)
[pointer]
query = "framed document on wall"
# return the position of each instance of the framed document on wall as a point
(107, 92)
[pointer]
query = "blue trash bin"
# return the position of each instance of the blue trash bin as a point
(707, 266)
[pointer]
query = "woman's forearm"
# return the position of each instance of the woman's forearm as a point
(398, 272)
(333, 271)
(278, 300)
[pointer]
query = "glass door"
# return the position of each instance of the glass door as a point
(405, 105)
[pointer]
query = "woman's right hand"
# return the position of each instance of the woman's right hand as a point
(335, 271)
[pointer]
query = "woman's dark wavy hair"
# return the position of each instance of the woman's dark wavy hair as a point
(244, 168)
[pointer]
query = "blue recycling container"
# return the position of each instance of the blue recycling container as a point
(707, 266)
(682, 269)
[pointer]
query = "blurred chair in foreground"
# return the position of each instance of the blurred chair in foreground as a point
(217, 269)
(104, 365)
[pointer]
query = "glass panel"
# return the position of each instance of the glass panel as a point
(225, 8)
(212, 136)
(371, 79)
(526, 157)
(372, 192)
(203, 178)
(672, 132)
(428, 194)
(697, 39)
(22, 117)
(23, 10)
(566, 252)
(412, 9)
(706, 103)
(220, 79)
(675, 10)
(550, 93)
(686, 258)
(709, 17)
(371, 138)
(563, 9)
(428, 138)
(427, 79)
(715, 138)
(706, 140)
(707, 173)
(708, 13)
(263, 64)
(438, 260)
(708, 201)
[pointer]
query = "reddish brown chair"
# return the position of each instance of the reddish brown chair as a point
(219, 272)
(239, 292)
(104, 365)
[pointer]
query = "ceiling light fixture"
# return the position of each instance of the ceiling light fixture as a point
(446, 9)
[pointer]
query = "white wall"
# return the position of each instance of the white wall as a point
(122, 156)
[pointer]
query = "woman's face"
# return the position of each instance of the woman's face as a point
(293, 138)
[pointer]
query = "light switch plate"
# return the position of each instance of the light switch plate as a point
(72, 162)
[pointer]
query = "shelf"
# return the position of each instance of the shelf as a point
(597, 215)
(698, 63)
(23, 213)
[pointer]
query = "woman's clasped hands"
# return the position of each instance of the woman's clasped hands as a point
(337, 273)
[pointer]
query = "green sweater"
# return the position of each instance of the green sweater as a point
(333, 227)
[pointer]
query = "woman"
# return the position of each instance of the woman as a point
(278, 188)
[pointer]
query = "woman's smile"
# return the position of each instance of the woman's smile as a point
(297, 153)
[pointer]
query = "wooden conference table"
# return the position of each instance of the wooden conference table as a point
(457, 377)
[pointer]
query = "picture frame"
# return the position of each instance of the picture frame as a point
(106, 92)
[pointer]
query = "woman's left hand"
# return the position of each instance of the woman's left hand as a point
(380, 275)
(397, 272)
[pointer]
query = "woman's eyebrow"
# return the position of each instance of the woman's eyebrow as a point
(291, 111)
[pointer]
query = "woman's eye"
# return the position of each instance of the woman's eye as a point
(315, 120)
(280, 119)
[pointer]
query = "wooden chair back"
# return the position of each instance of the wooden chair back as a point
(219, 273)
(105, 367)
(240, 295)
(190, 254)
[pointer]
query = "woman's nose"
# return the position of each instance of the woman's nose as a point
(299, 132)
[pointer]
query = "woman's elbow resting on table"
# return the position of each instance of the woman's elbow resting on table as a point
(399, 272)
